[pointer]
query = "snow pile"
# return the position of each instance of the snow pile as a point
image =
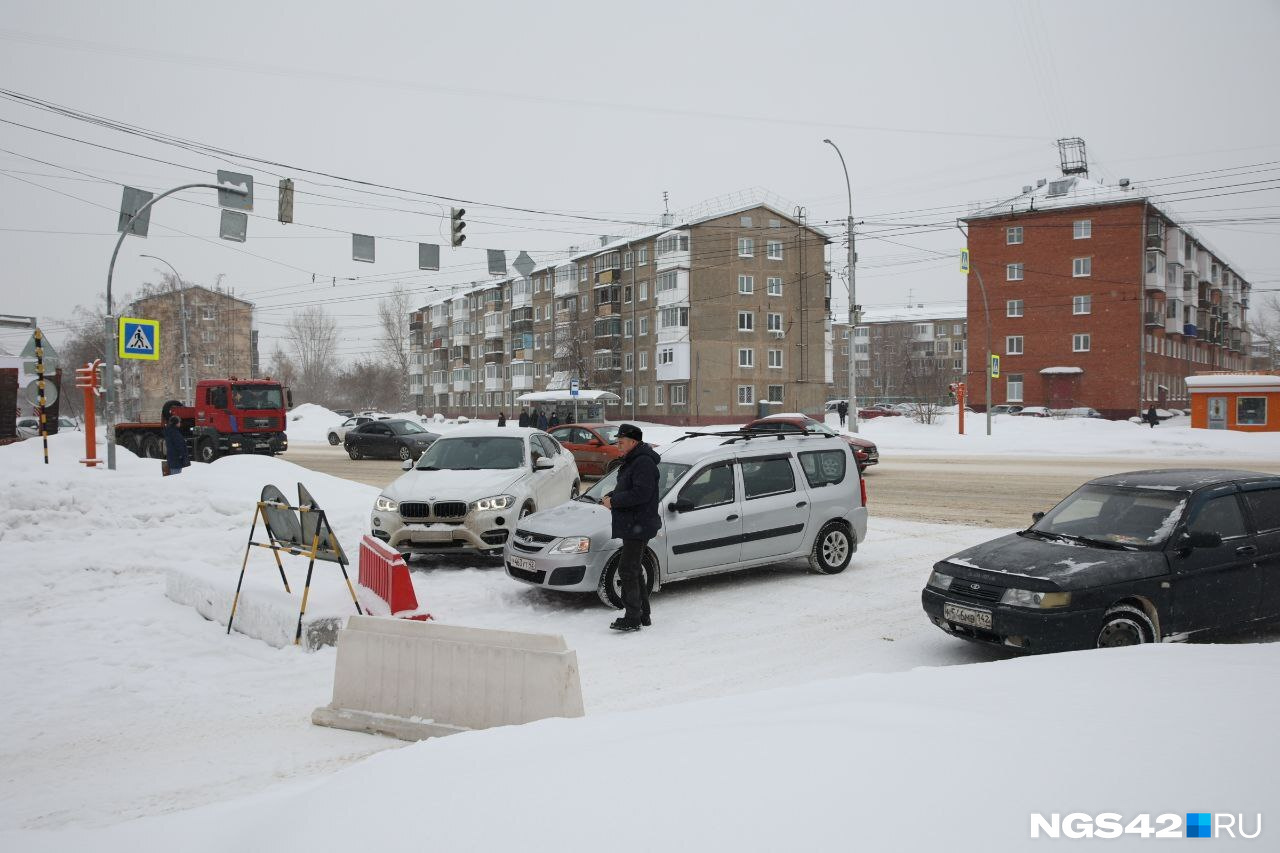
(310, 423)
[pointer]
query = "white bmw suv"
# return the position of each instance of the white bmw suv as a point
(469, 488)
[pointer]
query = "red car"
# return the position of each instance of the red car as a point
(865, 452)
(594, 446)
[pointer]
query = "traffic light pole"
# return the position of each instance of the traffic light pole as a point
(109, 365)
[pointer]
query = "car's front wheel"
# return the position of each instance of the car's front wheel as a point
(405, 454)
(832, 550)
(333, 439)
(609, 589)
(1125, 625)
(353, 451)
(525, 510)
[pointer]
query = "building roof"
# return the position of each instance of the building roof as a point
(1210, 382)
(1066, 192)
(912, 313)
(169, 294)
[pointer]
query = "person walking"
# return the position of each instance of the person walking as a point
(633, 507)
(502, 418)
(176, 454)
(524, 418)
(542, 419)
(1151, 417)
(843, 409)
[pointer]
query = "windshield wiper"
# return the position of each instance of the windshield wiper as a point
(429, 468)
(1095, 543)
(587, 498)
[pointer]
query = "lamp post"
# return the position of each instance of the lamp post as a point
(986, 310)
(182, 313)
(853, 309)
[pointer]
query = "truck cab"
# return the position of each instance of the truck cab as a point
(235, 416)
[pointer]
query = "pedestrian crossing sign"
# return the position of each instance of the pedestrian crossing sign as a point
(139, 339)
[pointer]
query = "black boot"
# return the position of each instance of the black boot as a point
(622, 624)
(645, 620)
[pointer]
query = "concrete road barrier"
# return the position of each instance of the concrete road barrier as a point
(415, 680)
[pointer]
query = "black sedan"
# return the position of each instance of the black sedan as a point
(1126, 559)
(390, 439)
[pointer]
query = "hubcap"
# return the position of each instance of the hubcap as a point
(834, 548)
(1120, 632)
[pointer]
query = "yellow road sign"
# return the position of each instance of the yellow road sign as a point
(964, 260)
(995, 366)
(139, 339)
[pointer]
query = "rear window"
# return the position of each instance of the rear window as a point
(762, 477)
(823, 467)
(1265, 506)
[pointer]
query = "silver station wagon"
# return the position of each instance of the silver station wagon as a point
(728, 501)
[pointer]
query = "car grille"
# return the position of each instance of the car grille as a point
(976, 591)
(260, 423)
(529, 542)
(525, 574)
(422, 511)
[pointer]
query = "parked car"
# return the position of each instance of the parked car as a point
(1006, 409)
(729, 501)
(1125, 559)
(396, 438)
(1077, 412)
(594, 446)
(878, 412)
(1034, 412)
(467, 492)
(346, 413)
(865, 452)
(339, 432)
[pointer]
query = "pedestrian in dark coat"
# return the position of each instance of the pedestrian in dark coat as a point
(1151, 417)
(524, 418)
(176, 454)
(843, 408)
(502, 418)
(555, 420)
(633, 504)
(542, 419)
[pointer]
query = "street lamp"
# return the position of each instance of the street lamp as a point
(853, 313)
(986, 310)
(182, 313)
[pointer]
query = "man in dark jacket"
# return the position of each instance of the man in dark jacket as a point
(634, 507)
(1151, 417)
(175, 447)
(524, 418)
(502, 418)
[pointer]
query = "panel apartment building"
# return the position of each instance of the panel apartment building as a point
(902, 354)
(696, 323)
(1099, 298)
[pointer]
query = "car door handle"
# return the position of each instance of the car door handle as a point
(733, 517)
(800, 504)
(1247, 550)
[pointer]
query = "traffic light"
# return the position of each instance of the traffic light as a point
(456, 226)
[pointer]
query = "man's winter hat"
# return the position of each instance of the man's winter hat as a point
(630, 431)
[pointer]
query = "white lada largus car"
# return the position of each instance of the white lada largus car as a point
(728, 501)
(469, 488)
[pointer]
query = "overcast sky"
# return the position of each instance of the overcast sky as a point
(585, 113)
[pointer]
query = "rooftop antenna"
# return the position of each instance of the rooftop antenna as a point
(667, 219)
(909, 298)
(1071, 154)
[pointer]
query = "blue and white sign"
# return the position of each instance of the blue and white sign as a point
(573, 388)
(139, 338)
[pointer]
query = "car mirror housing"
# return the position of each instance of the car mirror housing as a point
(1036, 516)
(542, 463)
(1203, 540)
(680, 506)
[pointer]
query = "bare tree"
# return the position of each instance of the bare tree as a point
(1265, 326)
(281, 367)
(313, 337)
(393, 339)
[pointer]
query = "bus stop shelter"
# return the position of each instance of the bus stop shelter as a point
(587, 407)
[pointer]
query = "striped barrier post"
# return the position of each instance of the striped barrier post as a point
(383, 571)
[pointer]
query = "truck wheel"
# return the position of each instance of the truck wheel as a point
(156, 447)
(167, 409)
(207, 451)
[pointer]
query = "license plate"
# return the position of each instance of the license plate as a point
(522, 563)
(436, 535)
(967, 616)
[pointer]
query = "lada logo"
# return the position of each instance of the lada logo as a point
(975, 586)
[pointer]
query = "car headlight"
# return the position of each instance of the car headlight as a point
(385, 504)
(495, 502)
(937, 580)
(573, 545)
(1032, 598)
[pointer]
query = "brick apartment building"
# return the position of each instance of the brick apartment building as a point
(1098, 297)
(221, 341)
(691, 323)
(902, 354)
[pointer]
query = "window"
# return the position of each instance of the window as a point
(1219, 515)
(920, 329)
(644, 395)
(1013, 272)
(823, 467)
(746, 395)
(775, 393)
(657, 395)
(1013, 308)
(208, 313)
(1081, 267)
(860, 332)
(761, 477)
(775, 358)
(746, 357)
(672, 317)
(627, 362)
(1082, 229)
(775, 322)
(773, 250)
(1013, 387)
(628, 258)
(746, 321)
(1251, 411)
(1266, 509)
(1013, 345)
(644, 326)
(746, 247)
(957, 329)
(667, 281)
(644, 360)
(1013, 235)
(745, 221)
(208, 336)
(626, 328)
(666, 355)
(679, 395)
(774, 285)
(642, 256)
(626, 295)
(643, 287)
(583, 271)
(1079, 343)
(712, 486)
(1081, 304)
(957, 346)
(627, 396)
(746, 284)
(209, 360)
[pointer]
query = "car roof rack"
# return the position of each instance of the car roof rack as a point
(731, 436)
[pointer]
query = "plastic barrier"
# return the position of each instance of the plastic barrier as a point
(415, 680)
(383, 571)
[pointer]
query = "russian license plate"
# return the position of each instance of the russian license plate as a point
(522, 563)
(430, 535)
(967, 616)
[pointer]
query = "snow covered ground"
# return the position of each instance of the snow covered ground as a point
(130, 722)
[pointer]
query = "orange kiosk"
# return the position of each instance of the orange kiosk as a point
(1249, 402)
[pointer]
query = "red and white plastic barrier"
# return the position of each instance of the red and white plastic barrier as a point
(383, 571)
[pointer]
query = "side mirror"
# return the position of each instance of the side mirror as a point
(407, 465)
(680, 506)
(542, 463)
(288, 397)
(1036, 516)
(1203, 540)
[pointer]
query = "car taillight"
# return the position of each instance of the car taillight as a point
(862, 483)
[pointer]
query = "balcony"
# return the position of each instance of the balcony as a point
(461, 384)
(416, 369)
(492, 383)
(439, 343)
(1153, 318)
(1189, 330)
(1173, 325)
(522, 376)
(439, 387)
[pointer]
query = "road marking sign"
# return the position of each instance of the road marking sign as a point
(995, 366)
(964, 260)
(139, 339)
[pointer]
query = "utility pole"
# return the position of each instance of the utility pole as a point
(635, 334)
(182, 309)
(853, 305)
(986, 310)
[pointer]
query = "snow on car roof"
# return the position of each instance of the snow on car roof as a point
(1180, 478)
